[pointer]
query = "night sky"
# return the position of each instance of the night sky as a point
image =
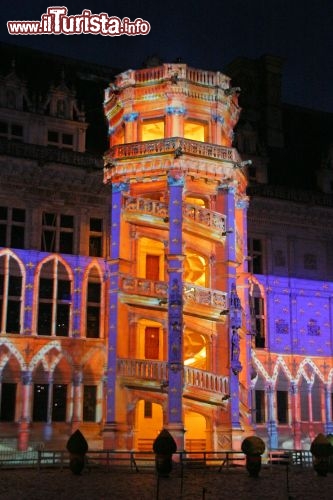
(204, 34)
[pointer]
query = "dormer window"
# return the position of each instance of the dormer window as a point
(61, 108)
(11, 99)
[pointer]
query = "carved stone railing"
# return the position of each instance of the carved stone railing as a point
(195, 213)
(142, 286)
(44, 154)
(159, 289)
(145, 369)
(206, 381)
(145, 206)
(170, 145)
(166, 71)
(204, 296)
(157, 371)
(206, 217)
(290, 194)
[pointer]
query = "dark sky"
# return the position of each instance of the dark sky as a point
(205, 34)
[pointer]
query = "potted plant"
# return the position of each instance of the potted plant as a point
(164, 446)
(77, 447)
(321, 450)
(253, 447)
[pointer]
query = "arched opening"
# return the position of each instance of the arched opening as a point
(195, 349)
(195, 268)
(10, 295)
(195, 437)
(148, 424)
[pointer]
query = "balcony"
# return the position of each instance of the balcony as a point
(153, 375)
(197, 220)
(198, 301)
(164, 72)
(44, 154)
(168, 146)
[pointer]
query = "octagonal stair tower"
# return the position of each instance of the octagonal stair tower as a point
(177, 270)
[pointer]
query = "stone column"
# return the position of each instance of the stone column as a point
(175, 120)
(271, 421)
(131, 127)
(328, 411)
(311, 430)
(295, 415)
(110, 429)
(175, 310)
(25, 420)
(77, 399)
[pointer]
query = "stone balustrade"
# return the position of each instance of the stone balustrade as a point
(195, 213)
(171, 145)
(159, 289)
(157, 371)
(176, 72)
(44, 154)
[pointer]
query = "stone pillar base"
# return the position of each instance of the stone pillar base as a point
(23, 435)
(229, 438)
(117, 436)
(178, 433)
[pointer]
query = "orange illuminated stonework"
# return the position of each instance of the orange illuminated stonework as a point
(177, 248)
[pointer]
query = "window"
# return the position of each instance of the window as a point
(57, 233)
(195, 130)
(59, 403)
(8, 402)
(304, 400)
(152, 129)
(54, 300)
(60, 140)
(10, 295)
(93, 309)
(152, 267)
(152, 342)
(257, 306)
(40, 403)
(12, 227)
(11, 131)
(95, 237)
(282, 406)
(148, 409)
(89, 403)
(255, 250)
(260, 415)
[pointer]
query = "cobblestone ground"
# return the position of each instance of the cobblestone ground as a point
(272, 484)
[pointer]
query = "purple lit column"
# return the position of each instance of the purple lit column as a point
(175, 309)
(113, 268)
(235, 311)
(29, 297)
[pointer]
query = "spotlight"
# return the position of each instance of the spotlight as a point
(226, 397)
(228, 231)
(225, 312)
